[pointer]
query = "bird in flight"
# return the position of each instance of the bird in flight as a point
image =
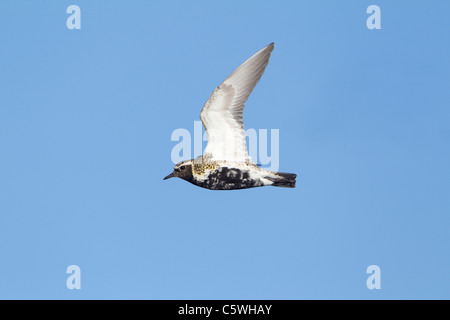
(225, 164)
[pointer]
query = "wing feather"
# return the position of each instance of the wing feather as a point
(223, 113)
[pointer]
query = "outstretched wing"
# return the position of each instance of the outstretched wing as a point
(223, 113)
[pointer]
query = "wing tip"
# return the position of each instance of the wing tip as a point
(270, 46)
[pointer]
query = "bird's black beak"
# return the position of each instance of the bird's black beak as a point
(169, 176)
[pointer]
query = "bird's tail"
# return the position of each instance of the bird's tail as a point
(283, 179)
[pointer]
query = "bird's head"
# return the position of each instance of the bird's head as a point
(182, 170)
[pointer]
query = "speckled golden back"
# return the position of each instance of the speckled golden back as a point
(200, 167)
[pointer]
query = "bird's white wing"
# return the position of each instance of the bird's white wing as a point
(223, 113)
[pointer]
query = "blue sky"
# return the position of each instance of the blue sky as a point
(86, 118)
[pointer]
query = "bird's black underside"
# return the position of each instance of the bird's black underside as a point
(229, 179)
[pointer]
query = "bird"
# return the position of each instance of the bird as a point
(225, 163)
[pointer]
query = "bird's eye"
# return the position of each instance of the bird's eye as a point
(182, 167)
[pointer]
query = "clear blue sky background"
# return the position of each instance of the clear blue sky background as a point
(85, 123)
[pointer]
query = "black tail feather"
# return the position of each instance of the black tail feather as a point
(286, 180)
